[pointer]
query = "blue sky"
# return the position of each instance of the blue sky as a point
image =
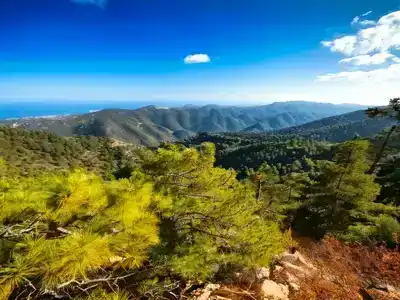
(210, 51)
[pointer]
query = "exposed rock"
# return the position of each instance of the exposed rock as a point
(388, 290)
(207, 290)
(291, 279)
(294, 286)
(372, 294)
(289, 257)
(297, 259)
(296, 270)
(274, 291)
(278, 269)
(292, 268)
(253, 275)
(393, 290)
(204, 296)
(262, 273)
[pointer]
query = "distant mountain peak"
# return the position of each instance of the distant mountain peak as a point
(152, 124)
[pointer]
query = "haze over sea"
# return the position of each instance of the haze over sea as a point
(12, 109)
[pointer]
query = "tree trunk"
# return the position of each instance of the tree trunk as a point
(259, 192)
(381, 150)
(336, 204)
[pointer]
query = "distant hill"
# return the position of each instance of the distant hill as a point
(151, 125)
(340, 128)
(295, 145)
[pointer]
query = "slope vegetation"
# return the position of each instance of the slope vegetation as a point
(290, 148)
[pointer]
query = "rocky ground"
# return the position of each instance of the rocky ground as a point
(328, 270)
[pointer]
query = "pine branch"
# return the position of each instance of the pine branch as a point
(206, 232)
(108, 279)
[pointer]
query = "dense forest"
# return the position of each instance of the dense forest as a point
(243, 151)
(88, 218)
(32, 152)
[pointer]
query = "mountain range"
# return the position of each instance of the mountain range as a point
(151, 125)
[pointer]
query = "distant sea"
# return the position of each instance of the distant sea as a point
(10, 110)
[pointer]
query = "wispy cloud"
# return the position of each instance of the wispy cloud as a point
(355, 20)
(99, 3)
(358, 20)
(367, 13)
(367, 23)
(197, 59)
(389, 74)
(375, 59)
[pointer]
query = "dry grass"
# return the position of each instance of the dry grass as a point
(345, 270)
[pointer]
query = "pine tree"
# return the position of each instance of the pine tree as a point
(389, 179)
(59, 233)
(392, 111)
(342, 193)
(279, 196)
(213, 220)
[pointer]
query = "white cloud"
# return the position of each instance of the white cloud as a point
(344, 44)
(383, 36)
(375, 59)
(368, 47)
(390, 74)
(99, 3)
(197, 59)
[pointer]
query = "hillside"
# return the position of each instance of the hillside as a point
(340, 128)
(35, 152)
(150, 125)
(294, 145)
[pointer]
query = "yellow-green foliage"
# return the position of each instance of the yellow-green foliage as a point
(64, 228)
(59, 232)
(213, 218)
(103, 295)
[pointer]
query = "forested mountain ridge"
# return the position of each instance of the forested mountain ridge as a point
(34, 152)
(340, 128)
(282, 148)
(151, 125)
(243, 151)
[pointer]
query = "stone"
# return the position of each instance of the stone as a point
(294, 286)
(274, 291)
(296, 259)
(278, 268)
(204, 296)
(290, 278)
(252, 275)
(262, 273)
(296, 270)
(207, 290)
(212, 286)
(289, 258)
